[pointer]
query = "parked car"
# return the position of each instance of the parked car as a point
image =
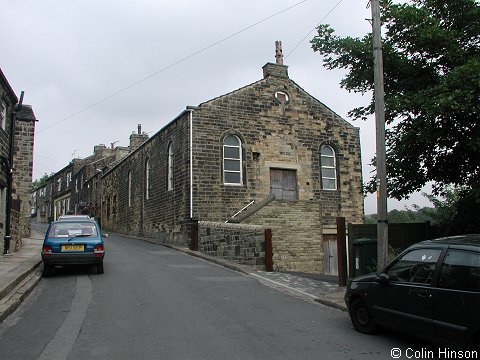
(431, 290)
(73, 242)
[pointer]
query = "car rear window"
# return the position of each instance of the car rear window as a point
(460, 270)
(72, 229)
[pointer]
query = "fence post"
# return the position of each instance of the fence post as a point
(341, 251)
(268, 250)
(194, 236)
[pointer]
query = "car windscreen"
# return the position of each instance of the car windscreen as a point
(72, 229)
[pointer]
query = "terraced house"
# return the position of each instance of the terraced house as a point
(267, 154)
(17, 128)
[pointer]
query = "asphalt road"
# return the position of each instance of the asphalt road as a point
(156, 303)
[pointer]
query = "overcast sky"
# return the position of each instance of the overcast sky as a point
(70, 57)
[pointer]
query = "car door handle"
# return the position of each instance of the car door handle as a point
(424, 293)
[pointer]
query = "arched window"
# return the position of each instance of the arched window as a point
(329, 168)
(170, 167)
(232, 160)
(129, 188)
(147, 179)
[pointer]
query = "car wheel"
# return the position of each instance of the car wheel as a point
(47, 270)
(100, 268)
(361, 319)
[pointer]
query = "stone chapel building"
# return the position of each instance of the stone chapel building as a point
(267, 154)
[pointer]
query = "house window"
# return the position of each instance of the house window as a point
(129, 189)
(329, 168)
(59, 185)
(147, 179)
(232, 160)
(282, 97)
(170, 167)
(3, 114)
(69, 179)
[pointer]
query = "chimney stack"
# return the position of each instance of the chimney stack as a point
(277, 69)
(137, 139)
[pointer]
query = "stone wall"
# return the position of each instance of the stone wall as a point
(15, 227)
(281, 127)
(274, 135)
(164, 215)
(23, 169)
(243, 244)
(296, 234)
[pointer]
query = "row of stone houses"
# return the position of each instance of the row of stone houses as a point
(267, 154)
(17, 129)
(75, 189)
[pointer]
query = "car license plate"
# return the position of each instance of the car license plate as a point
(73, 247)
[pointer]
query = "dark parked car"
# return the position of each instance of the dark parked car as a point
(73, 242)
(431, 290)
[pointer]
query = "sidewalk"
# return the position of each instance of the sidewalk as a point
(20, 272)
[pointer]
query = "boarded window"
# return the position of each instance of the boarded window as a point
(283, 184)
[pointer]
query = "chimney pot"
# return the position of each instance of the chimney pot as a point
(278, 53)
(139, 129)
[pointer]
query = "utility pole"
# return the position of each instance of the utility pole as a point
(382, 222)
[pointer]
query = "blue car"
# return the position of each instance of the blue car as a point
(73, 242)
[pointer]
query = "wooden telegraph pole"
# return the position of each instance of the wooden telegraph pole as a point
(382, 222)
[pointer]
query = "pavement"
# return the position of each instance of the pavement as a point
(22, 270)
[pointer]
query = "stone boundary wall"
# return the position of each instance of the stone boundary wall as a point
(243, 244)
(297, 234)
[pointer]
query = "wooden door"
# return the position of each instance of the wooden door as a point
(330, 257)
(283, 183)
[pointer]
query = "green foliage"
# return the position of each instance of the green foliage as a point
(456, 212)
(431, 51)
(41, 182)
(417, 215)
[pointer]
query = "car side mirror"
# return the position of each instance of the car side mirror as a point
(382, 278)
(105, 236)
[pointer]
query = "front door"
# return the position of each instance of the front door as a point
(283, 183)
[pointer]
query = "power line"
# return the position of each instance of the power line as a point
(168, 67)
(321, 21)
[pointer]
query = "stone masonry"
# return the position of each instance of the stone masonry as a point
(243, 244)
(281, 128)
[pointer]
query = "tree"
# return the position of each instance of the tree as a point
(417, 215)
(41, 182)
(457, 212)
(431, 51)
